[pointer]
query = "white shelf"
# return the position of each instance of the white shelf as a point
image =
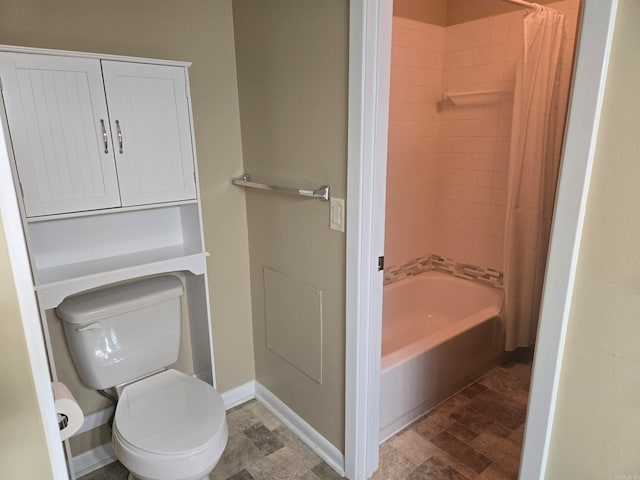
(57, 283)
(73, 254)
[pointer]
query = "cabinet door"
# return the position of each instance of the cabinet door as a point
(151, 128)
(59, 129)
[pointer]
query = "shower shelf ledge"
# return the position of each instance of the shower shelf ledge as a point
(473, 97)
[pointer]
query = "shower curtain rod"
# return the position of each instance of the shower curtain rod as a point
(522, 3)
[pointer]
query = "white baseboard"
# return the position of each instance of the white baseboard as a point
(408, 418)
(325, 449)
(94, 459)
(239, 395)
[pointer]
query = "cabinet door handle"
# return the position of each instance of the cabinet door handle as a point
(119, 135)
(104, 136)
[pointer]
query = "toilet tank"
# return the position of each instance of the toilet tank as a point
(118, 334)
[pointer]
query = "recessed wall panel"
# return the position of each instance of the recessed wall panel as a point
(293, 313)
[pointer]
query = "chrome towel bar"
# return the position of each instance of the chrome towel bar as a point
(321, 193)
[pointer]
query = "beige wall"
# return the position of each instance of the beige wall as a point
(459, 11)
(23, 448)
(292, 73)
(426, 11)
(199, 31)
(596, 430)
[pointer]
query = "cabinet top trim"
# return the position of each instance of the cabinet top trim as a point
(107, 211)
(99, 56)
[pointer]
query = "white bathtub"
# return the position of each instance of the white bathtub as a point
(439, 333)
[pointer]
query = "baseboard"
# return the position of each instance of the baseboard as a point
(405, 420)
(95, 420)
(239, 395)
(94, 459)
(325, 449)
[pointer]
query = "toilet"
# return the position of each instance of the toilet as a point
(167, 425)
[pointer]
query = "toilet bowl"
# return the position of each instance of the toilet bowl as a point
(169, 427)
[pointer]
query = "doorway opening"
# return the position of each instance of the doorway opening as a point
(477, 113)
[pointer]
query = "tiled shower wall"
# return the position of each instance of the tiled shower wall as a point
(416, 85)
(447, 172)
(474, 142)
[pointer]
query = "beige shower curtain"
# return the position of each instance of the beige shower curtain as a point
(533, 171)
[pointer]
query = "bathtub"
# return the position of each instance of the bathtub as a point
(439, 333)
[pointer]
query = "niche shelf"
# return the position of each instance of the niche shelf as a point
(74, 254)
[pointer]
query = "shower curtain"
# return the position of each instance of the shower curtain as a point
(533, 170)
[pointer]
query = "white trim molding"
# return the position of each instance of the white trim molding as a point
(369, 78)
(579, 149)
(70, 53)
(94, 459)
(316, 442)
(239, 395)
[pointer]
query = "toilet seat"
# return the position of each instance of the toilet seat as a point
(169, 426)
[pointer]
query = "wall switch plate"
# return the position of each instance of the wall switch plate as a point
(336, 215)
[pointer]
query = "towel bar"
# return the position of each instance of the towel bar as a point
(321, 193)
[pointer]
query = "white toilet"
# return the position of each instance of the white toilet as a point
(167, 425)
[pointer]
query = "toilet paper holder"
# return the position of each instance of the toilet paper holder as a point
(69, 414)
(63, 421)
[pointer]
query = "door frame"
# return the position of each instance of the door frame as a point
(369, 54)
(369, 70)
(587, 94)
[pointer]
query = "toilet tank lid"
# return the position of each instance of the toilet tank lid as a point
(110, 301)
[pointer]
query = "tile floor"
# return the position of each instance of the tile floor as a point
(474, 435)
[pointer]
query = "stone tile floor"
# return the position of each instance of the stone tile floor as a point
(474, 435)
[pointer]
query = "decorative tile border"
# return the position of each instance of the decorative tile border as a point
(408, 269)
(450, 266)
(467, 271)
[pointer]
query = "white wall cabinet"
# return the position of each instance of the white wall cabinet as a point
(83, 144)
(58, 122)
(151, 132)
(103, 150)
